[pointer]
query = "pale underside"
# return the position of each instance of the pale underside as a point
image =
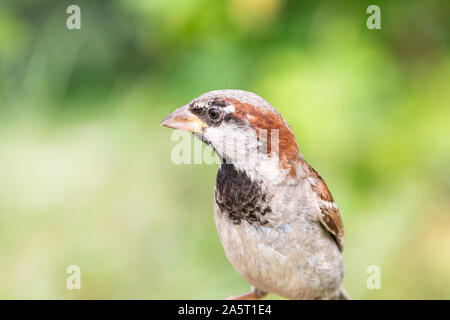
(293, 255)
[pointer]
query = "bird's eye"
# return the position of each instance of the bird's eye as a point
(213, 113)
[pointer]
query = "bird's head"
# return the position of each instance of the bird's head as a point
(243, 129)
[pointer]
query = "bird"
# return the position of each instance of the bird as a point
(276, 219)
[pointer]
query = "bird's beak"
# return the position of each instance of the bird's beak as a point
(183, 119)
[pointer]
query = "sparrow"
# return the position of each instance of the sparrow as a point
(276, 219)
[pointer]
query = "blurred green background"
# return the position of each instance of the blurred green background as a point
(86, 176)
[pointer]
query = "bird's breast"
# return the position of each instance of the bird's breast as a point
(240, 198)
(278, 251)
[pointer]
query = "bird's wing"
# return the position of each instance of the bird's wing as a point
(331, 220)
(330, 216)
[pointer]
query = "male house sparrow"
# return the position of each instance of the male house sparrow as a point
(275, 217)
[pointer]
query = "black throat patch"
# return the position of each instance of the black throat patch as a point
(240, 198)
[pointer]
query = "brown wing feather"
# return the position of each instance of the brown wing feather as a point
(330, 217)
